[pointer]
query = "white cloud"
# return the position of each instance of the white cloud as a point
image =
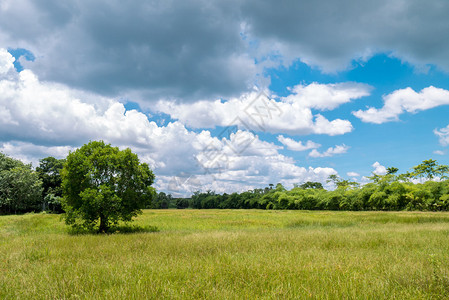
(353, 174)
(30, 153)
(240, 180)
(334, 127)
(443, 135)
(327, 96)
(438, 152)
(404, 100)
(379, 169)
(297, 145)
(240, 162)
(6, 62)
(48, 119)
(292, 114)
(339, 149)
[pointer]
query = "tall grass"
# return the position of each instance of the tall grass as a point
(231, 254)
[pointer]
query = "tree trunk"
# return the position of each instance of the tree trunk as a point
(103, 224)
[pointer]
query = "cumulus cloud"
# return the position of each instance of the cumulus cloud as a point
(229, 168)
(379, 169)
(438, 152)
(238, 162)
(51, 119)
(327, 96)
(31, 154)
(257, 111)
(200, 49)
(297, 145)
(404, 100)
(6, 62)
(339, 149)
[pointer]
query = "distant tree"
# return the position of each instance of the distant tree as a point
(429, 169)
(280, 187)
(406, 177)
(161, 200)
(8, 163)
(182, 203)
(103, 184)
(333, 178)
(382, 179)
(310, 185)
(392, 170)
(49, 172)
(390, 191)
(340, 182)
(20, 187)
(268, 188)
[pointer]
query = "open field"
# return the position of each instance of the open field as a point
(231, 254)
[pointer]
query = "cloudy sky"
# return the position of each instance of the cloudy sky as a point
(229, 95)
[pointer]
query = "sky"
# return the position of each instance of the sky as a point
(229, 95)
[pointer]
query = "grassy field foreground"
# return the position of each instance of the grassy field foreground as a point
(231, 254)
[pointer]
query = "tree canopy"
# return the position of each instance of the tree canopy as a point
(20, 187)
(102, 184)
(49, 171)
(429, 169)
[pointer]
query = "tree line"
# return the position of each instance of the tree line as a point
(391, 191)
(385, 194)
(23, 189)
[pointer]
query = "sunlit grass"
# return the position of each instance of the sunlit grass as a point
(230, 254)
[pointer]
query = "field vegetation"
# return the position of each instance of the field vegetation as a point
(230, 254)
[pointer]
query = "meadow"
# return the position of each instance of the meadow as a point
(230, 254)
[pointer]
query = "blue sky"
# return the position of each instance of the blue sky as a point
(402, 143)
(232, 95)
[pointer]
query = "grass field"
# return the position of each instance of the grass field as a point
(231, 254)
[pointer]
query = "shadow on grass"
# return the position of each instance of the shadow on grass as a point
(120, 229)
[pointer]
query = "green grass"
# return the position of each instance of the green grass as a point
(230, 254)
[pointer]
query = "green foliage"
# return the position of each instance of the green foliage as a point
(182, 203)
(107, 185)
(8, 163)
(385, 192)
(381, 195)
(310, 185)
(20, 187)
(162, 200)
(49, 171)
(392, 170)
(341, 183)
(104, 185)
(430, 169)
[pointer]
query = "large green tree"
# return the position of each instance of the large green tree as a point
(103, 185)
